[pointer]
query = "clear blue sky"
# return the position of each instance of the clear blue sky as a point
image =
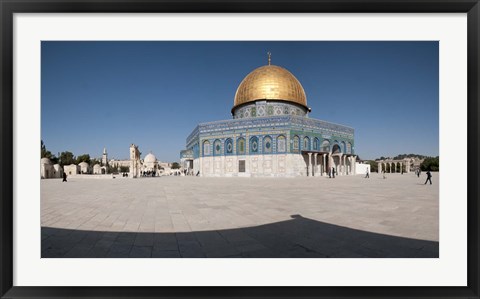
(153, 94)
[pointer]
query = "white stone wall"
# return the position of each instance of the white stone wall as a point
(84, 168)
(46, 171)
(71, 169)
(134, 170)
(58, 171)
(119, 163)
(282, 165)
(362, 168)
(97, 169)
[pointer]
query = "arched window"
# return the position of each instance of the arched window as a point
(306, 143)
(228, 146)
(281, 144)
(241, 146)
(206, 148)
(349, 148)
(315, 144)
(325, 146)
(254, 144)
(217, 148)
(267, 144)
(336, 149)
(296, 143)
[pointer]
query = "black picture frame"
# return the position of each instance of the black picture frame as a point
(9, 7)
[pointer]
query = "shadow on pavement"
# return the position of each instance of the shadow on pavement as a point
(298, 237)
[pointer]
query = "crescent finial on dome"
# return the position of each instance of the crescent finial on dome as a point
(269, 57)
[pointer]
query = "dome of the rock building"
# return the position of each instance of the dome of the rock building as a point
(270, 82)
(150, 158)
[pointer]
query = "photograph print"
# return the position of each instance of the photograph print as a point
(239, 149)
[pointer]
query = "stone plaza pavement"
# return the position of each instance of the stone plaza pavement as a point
(172, 217)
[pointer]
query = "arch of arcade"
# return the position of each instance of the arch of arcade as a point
(394, 166)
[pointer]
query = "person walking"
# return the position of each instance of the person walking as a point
(333, 172)
(64, 177)
(429, 177)
(367, 176)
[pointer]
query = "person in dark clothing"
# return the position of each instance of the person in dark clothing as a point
(330, 173)
(333, 172)
(429, 178)
(64, 177)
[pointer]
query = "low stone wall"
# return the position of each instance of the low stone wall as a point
(95, 176)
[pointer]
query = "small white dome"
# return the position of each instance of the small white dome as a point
(57, 167)
(97, 166)
(83, 164)
(45, 161)
(150, 158)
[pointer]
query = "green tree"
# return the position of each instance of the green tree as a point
(66, 158)
(373, 166)
(47, 154)
(94, 161)
(175, 165)
(430, 163)
(44, 152)
(124, 169)
(83, 158)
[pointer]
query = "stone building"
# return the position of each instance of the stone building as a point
(270, 134)
(135, 164)
(71, 169)
(97, 169)
(84, 168)
(399, 165)
(57, 171)
(48, 170)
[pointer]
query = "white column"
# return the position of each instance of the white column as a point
(340, 162)
(324, 170)
(354, 164)
(310, 170)
(315, 163)
(350, 166)
(347, 165)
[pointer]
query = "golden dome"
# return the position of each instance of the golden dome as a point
(270, 82)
